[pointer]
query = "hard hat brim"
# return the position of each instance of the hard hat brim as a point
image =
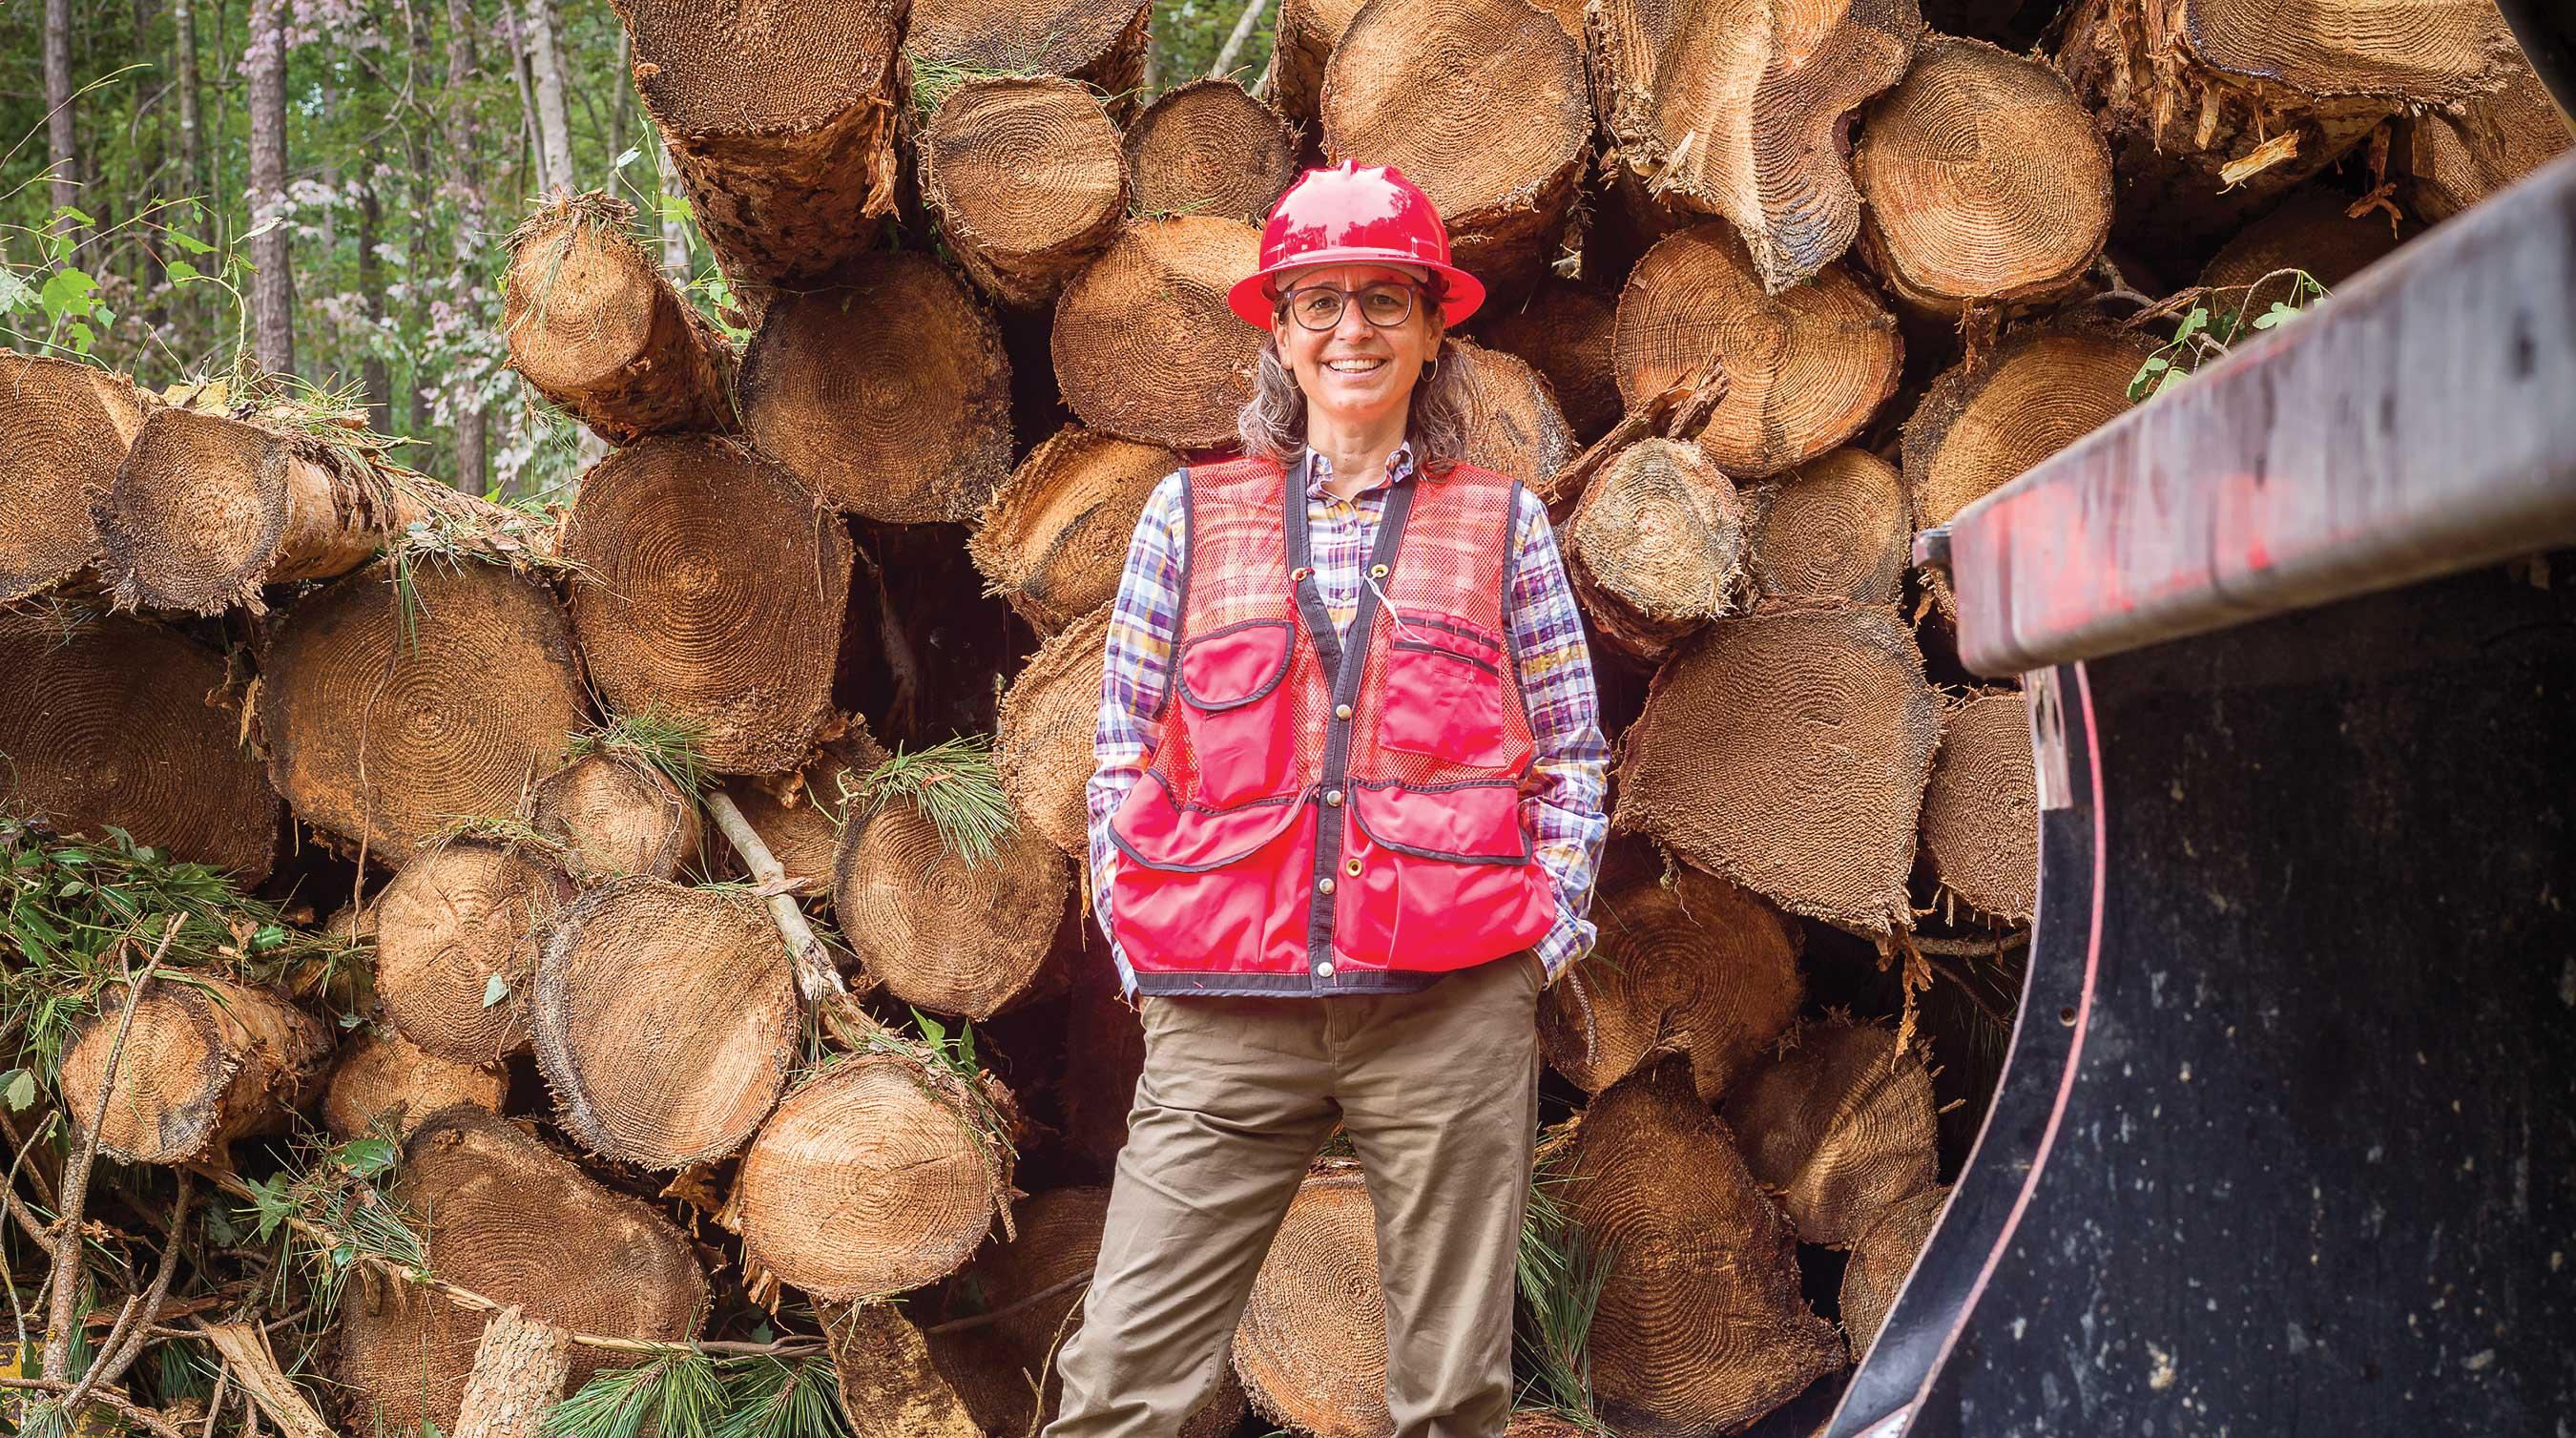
(1251, 302)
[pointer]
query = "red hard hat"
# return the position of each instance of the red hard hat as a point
(1354, 214)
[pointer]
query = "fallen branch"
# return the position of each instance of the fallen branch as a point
(245, 1350)
(125, 1407)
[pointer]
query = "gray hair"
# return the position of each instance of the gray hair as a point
(1273, 425)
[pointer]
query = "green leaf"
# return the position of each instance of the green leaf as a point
(18, 1087)
(180, 271)
(931, 1029)
(266, 937)
(190, 243)
(2279, 313)
(494, 990)
(67, 292)
(82, 336)
(2172, 378)
(366, 1157)
(75, 214)
(2192, 323)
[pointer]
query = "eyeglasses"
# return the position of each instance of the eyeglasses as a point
(1319, 307)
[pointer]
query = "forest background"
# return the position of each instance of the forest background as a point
(321, 186)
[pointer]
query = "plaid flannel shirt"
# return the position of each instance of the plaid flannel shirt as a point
(1561, 803)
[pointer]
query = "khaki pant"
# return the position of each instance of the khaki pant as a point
(1438, 1091)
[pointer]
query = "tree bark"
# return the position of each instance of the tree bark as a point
(192, 155)
(467, 178)
(545, 64)
(374, 374)
(519, 1372)
(273, 281)
(63, 185)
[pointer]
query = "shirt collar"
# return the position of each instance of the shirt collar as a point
(1399, 468)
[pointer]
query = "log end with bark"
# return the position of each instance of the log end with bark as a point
(2454, 157)
(1841, 1127)
(455, 944)
(1043, 744)
(711, 587)
(1307, 32)
(1053, 540)
(887, 1379)
(1736, 110)
(1984, 180)
(782, 127)
(1513, 424)
(1836, 527)
(1028, 181)
(939, 930)
(1483, 104)
(1655, 546)
(1564, 331)
(889, 397)
(1981, 811)
(1805, 367)
(389, 718)
(798, 815)
(1817, 805)
(593, 323)
(505, 1216)
(1984, 421)
(1697, 966)
(1880, 1262)
(382, 1077)
(65, 427)
(204, 1062)
(665, 1020)
(1700, 1327)
(110, 721)
(2312, 230)
(867, 1181)
(1099, 42)
(616, 813)
(1209, 148)
(1311, 1345)
(520, 1365)
(206, 510)
(1143, 343)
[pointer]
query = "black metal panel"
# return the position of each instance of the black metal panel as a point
(2316, 1170)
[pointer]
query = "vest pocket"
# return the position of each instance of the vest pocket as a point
(1444, 695)
(1236, 707)
(1438, 878)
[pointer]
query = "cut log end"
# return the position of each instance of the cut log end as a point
(1054, 538)
(206, 510)
(938, 931)
(1735, 110)
(1144, 345)
(1698, 966)
(109, 720)
(2454, 158)
(1880, 1262)
(615, 813)
(64, 430)
(2310, 231)
(1806, 368)
(798, 816)
(1981, 812)
(1513, 424)
(865, 1183)
(712, 588)
(1984, 422)
(454, 946)
(388, 721)
(1044, 742)
(1564, 332)
(890, 398)
(592, 323)
(1311, 1345)
(888, 1383)
(204, 1062)
(508, 1218)
(1100, 42)
(384, 1078)
(1028, 180)
(1984, 179)
(1656, 546)
(665, 1019)
(1700, 1328)
(1836, 527)
(1817, 806)
(1841, 1127)
(1210, 148)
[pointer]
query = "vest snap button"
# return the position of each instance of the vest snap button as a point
(1341, 711)
(1333, 797)
(1324, 885)
(1324, 970)
(1351, 867)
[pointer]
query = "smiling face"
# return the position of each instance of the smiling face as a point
(1356, 374)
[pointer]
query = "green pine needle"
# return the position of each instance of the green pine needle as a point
(956, 785)
(1561, 1276)
(689, 1394)
(671, 743)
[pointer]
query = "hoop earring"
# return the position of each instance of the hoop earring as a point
(1430, 368)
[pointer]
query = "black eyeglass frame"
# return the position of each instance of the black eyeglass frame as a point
(1413, 295)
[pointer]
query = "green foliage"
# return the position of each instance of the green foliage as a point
(330, 1208)
(691, 1394)
(1561, 1276)
(67, 905)
(672, 744)
(2214, 319)
(956, 785)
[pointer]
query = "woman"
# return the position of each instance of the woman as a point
(1344, 827)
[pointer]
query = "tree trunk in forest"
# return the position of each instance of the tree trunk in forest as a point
(466, 175)
(192, 139)
(545, 65)
(374, 374)
(62, 143)
(273, 277)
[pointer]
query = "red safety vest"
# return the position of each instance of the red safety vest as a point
(1319, 819)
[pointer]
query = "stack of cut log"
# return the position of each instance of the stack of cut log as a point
(1776, 283)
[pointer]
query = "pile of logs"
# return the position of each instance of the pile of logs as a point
(1763, 306)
